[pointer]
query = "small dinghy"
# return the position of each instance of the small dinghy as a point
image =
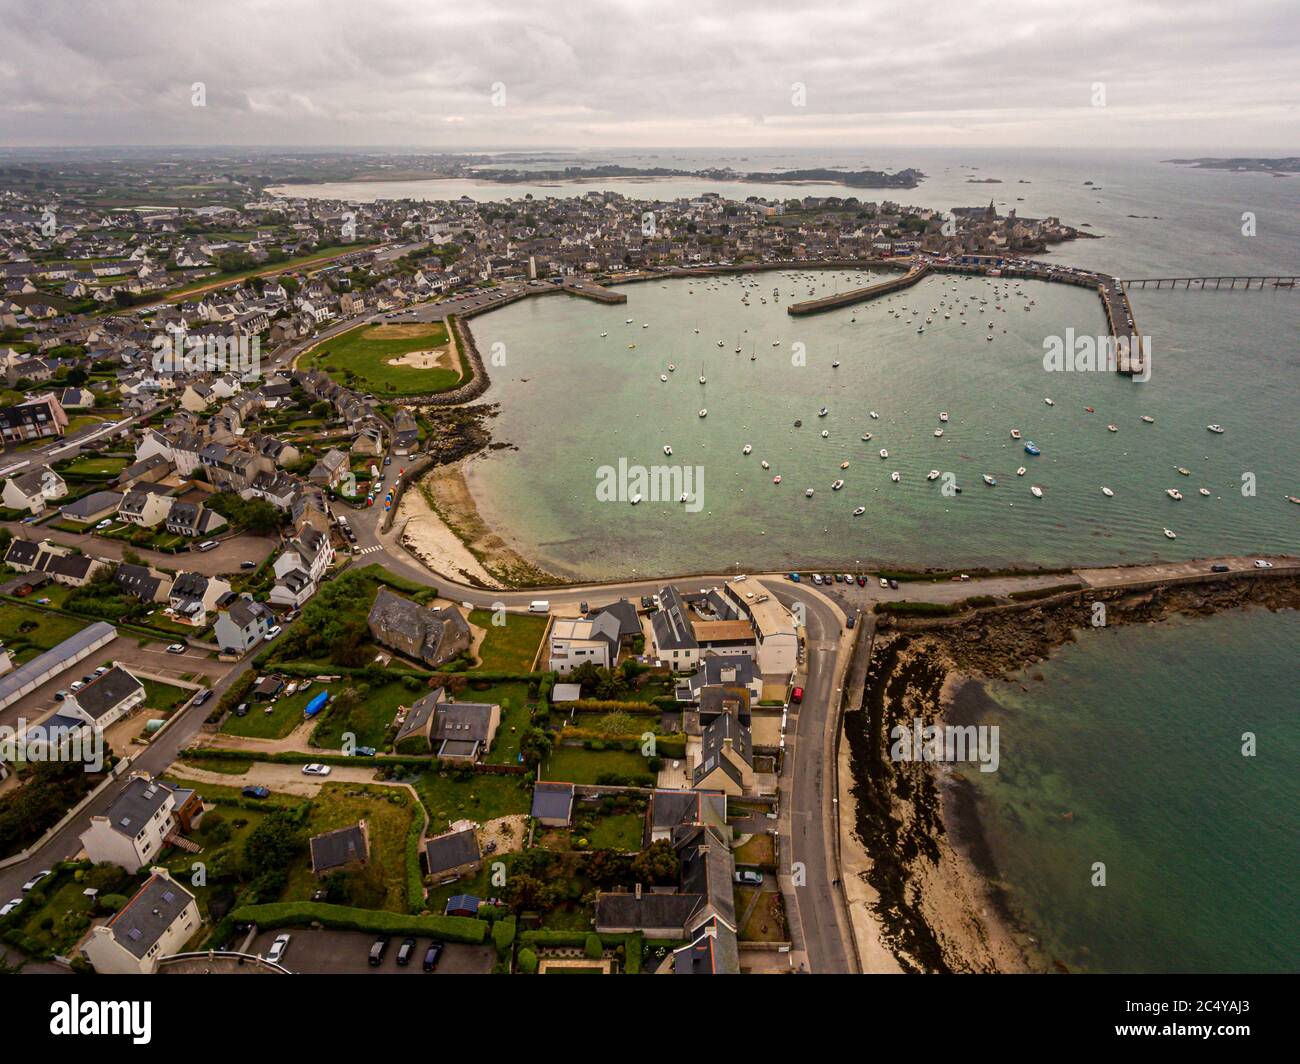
(895, 477)
(1036, 491)
(884, 453)
(859, 511)
(932, 475)
(1170, 534)
(1108, 493)
(748, 448)
(668, 450)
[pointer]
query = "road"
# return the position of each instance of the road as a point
(58, 448)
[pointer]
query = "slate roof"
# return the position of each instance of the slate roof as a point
(137, 802)
(145, 918)
(340, 848)
(445, 852)
(553, 801)
(102, 695)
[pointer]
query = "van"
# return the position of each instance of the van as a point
(539, 606)
(208, 544)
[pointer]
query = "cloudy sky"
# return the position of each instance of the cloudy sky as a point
(1194, 74)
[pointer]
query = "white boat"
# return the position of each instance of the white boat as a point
(825, 434)
(835, 365)
(1047, 401)
(776, 479)
(645, 325)
(667, 450)
(704, 412)
(1148, 418)
(844, 465)
(628, 321)
(1174, 494)
(636, 499)
(859, 511)
(1108, 493)
(703, 380)
(1112, 428)
(672, 367)
(943, 415)
(683, 497)
(866, 436)
(720, 343)
(808, 493)
(1015, 434)
(989, 480)
(895, 477)
(603, 335)
(1205, 492)
(1170, 534)
(765, 465)
(938, 432)
(874, 416)
(932, 475)
(663, 377)
(746, 449)
(1184, 471)
(884, 453)
(837, 485)
(1036, 491)
(1216, 429)
(1020, 472)
(823, 411)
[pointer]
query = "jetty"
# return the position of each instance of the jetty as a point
(915, 271)
(593, 291)
(1257, 282)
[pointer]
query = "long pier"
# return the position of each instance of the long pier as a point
(1202, 283)
(860, 295)
(591, 290)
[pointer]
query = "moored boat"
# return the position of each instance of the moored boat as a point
(932, 475)
(990, 481)
(1036, 491)
(1032, 448)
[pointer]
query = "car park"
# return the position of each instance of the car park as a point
(315, 769)
(176, 648)
(31, 884)
(279, 948)
(255, 792)
(406, 951)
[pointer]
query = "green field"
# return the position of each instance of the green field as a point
(569, 764)
(285, 715)
(368, 720)
(509, 647)
(164, 696)
(27, 626)
(360, 359)
(480, 798)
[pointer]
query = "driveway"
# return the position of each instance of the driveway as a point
(326, 952)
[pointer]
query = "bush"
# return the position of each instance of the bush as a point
(503, 934)
(112, 902)
(527, 961)
(593, 949)
(345, 918)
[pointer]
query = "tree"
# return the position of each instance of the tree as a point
(272, 844)
(527, 961)
(535, 744)
(656, 864)
(592, 948)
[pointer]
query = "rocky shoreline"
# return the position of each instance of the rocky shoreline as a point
(940, 905)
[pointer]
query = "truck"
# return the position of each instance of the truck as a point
(539, 606)
(316, 704)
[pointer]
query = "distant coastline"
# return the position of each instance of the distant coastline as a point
(1282, 167)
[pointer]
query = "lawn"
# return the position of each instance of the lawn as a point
(481, 798)
(387, 812)
(516, 713)
(163, 696)
(285, 715)
(368, 720)
(621, 831)
(509, 647)
(31, 626)
(571, 764)
(67, 910)
(96, 465)
(365, 357)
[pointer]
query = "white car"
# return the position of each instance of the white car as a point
(176, 648)
(273, 631)
(31, 883)
(104, 523)
(884, 582)
(10, 906)
(315, 770)
(278, 948)
(1261, 563)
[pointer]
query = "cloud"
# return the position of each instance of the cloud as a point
(680, 72)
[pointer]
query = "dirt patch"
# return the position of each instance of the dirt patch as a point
(508, 832)
(437, 358)
(398, 332)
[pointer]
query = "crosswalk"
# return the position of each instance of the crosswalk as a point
(368, 550)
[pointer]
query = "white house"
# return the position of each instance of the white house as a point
(583, 641)
(155, 923)
(106, 699)
(33, 489)
(241, 625)
(300, 567)
(134, 829)
(145, 508)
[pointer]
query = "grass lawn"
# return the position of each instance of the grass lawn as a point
(758, 852)
(387, 812)
(99, 465)
(223, 765)
(622, 831)
(285, 715)
(364, 358)
(480, 798)
(367, 721)
(571, 764)
(68, 909)
(516, 712)
(510, 647)
(766, 922)
(163, 696)
(83, 421)
(36, 627)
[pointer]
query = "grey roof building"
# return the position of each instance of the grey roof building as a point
(340, 849)
(455, 852)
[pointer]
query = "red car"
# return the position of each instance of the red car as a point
(796, 696)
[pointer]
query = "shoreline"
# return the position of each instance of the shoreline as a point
(914, 832)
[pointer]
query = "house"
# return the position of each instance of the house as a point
(341, 850)
(457, 731)
(33, 489)
(93, 507)
(142, 582)
(193, 519)
(776, 635)
(71, 570)
(157, 922)
(431, 636)
(583, 641)
(726, 758)
(553, 804)
(301, 566)
(624, 614)
(704, 897)
(33, 419)
(330, 470)
(715, 951)
(668, 812)
(194, 595)
(105, 700)
(452, 855)
(241, 625)
(136, 826)
(145, 508)
(685, 628)
(152, 470)
(716, 670)
(406, 433)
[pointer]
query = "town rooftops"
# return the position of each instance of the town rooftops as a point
(143, 920)
(714, 952)
(88, 505)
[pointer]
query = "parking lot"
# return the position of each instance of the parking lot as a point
(333, 952)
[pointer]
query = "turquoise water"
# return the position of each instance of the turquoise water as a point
(1138, 733)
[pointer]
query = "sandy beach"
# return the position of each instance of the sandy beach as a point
(426, 536)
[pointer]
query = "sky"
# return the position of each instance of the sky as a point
(1194, 75)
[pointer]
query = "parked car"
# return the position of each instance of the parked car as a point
(31, 883)
(862, 580)
(364, 751)
(176, 648)
(241, 709)
(817, 579)
(1260, 563)
(207, 544)
(101, 670)
(378, 950)
(103, 524)
(202, 697)
(794, 578)
(77, 685)
(852, 620)
(59, 696)
(796, 696)
(315, 770)
(255, 792)
(388, 460)
(747, 877)
(248, 565)
(1220, 568)
(432, 956)
(278, 948)
(893, 585)
(884, 582)
(405, 951)
(273, 631)
(10, 906)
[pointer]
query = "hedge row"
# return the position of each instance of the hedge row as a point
(1032, 593)
(597, 705)
(922, 609)
(345, 918)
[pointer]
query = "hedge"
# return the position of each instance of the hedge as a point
(414, 877)
(345, 918)
(927, 609)
(503, 934)
(1043, 592)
